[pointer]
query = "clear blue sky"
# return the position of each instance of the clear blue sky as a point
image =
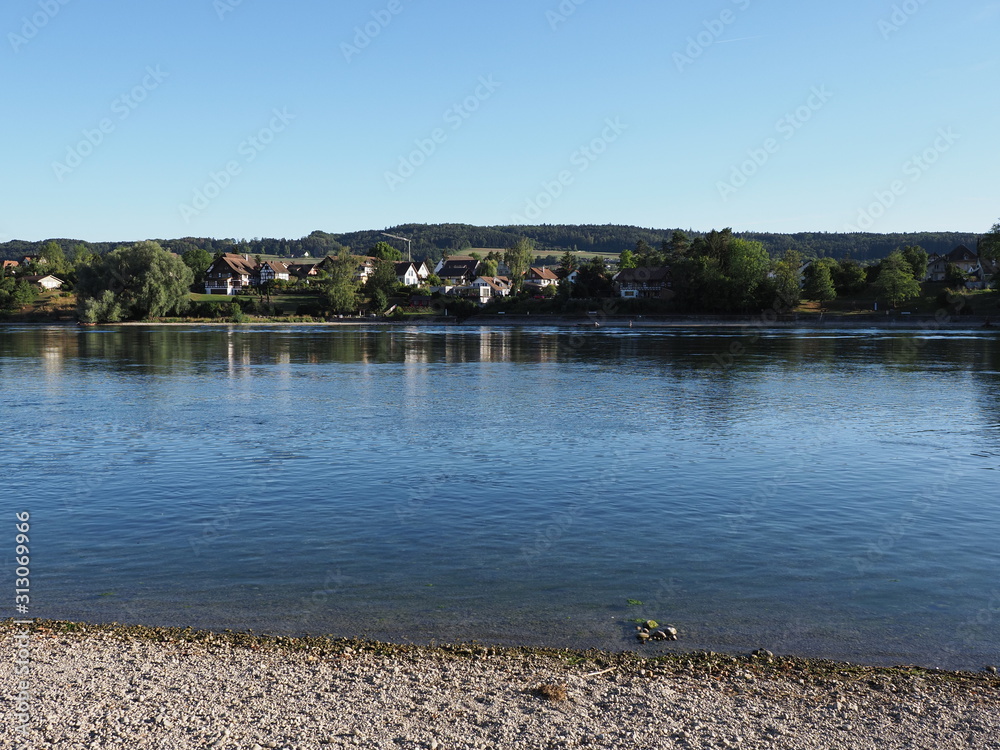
(658, 114)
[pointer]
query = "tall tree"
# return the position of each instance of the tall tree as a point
(989, 244)
(518, 258)
(385, 251)
(786, 278)
(849, 277)
(568, 262)
(54, 259)
(198, 260)
(895, 280)
(916, 258)
(340, 289)
(627, 259)
(132, 283)
(679, 244)
(381, 284)
(819, 284)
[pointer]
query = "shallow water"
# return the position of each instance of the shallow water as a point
(830, 493)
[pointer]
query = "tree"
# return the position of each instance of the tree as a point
(849, 278)
(895, 281)
(745, 263)
(568, 262)
(488, 267)
(627, 259)
(678, 244)
(819, 281)
(786, 278)
(198, 260)
(989, 244)
(54, 258)
(341, 289)
(135, 282)
(16, 293)
(81, 254)
(518, 259)
(385, 251)
(916, 258)
(381, 283)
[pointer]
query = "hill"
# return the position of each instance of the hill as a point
(431, 241)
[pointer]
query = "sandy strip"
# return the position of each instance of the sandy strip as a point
(118, 687)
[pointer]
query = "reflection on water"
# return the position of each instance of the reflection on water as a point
(829, 493)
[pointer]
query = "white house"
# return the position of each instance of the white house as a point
(45, 282)
(406, 273)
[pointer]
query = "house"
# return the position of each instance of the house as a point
(541, 277)
(301, 270)
(272, 270)
(406, 273)
(423, 270)
(458, 270)
(961, 257)
(45, 283)
(10, 265)
(231, 274)
(488, 287)
(654, 282)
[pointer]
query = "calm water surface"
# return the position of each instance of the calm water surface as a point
(832, 493)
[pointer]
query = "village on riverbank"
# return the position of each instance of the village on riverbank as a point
(711, 279)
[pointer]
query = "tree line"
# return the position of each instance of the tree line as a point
(433, 241)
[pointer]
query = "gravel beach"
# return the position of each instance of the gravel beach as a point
(133, 687)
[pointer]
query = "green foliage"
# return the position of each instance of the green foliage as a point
(518, 258)
(434, 280)
(198, 260)
(819, 284)
(488, 267)
(15, 294)
(53, 259)
(383, 279)
(592, 280)
(895, 280)
(989, 245)
(627, 260)
(385, 251)
(849, 278)
(916, 258)
(340, 289)
(568, 263)
(379, 300)
(236, 314)
(786, 278)
(143, 281)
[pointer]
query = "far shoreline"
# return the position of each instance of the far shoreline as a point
(903, 322)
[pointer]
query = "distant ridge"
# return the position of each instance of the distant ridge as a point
(434, 240)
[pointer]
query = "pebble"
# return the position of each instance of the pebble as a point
(446, 702)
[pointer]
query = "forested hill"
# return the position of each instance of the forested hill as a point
(433, 240)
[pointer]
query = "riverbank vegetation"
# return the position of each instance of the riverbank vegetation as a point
(717, 273)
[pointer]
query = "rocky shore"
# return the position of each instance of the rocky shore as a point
(136, 687)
